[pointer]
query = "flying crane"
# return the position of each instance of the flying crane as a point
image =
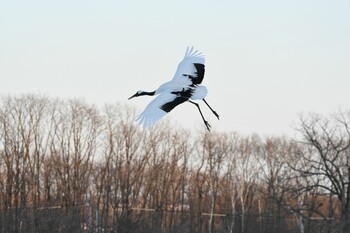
(184, 87)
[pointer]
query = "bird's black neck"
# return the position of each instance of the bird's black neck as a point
(147, 93)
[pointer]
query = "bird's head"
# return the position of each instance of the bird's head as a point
(138, 93)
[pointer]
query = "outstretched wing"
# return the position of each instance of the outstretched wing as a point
(191, 68)
(159, 107)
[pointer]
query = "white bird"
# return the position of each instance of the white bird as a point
(184, 87)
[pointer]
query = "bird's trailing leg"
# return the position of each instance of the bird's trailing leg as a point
(217, 115)
(205, 122)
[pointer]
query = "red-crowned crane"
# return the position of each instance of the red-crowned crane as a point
(185, 86)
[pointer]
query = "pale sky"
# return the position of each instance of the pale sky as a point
(266, 61)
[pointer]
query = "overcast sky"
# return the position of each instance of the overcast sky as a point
(266, 61)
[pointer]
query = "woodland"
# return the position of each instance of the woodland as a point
(69, 166)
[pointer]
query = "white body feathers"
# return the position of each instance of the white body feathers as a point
(199, 93)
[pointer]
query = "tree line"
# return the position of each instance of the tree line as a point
(68, 166)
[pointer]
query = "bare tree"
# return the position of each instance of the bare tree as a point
(230, 182)
(276, 188)
(197, 189)
(215, 148)
(73, 146)
(328, 141)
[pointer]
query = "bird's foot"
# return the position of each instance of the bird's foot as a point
(207, 125)
(217, 115)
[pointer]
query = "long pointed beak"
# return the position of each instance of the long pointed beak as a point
(131, 97)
